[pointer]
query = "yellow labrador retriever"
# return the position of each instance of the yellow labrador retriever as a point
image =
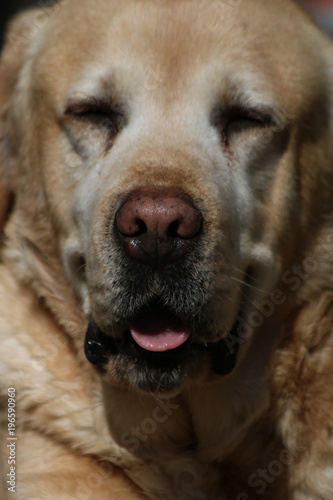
(166, 287)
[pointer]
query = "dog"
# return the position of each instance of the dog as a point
(166, 258)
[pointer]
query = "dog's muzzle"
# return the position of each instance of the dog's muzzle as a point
(158, 233)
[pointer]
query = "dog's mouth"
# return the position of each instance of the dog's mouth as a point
(157, 330)
(158, 350)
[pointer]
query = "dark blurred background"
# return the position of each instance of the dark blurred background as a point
(9, 7)
(322, 11)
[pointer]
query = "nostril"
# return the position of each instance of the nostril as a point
(141, 227)
(189, 226)
(132, 228)
(173, 229)
(186, 227)
(129, 224)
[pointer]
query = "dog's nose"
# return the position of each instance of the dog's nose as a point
(158, 225)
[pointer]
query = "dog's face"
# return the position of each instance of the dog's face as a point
(170, 145)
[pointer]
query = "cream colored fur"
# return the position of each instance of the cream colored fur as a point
(262, 432)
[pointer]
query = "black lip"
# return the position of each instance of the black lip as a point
(223, 354)
(99, 347)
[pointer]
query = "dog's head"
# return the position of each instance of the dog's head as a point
(170, 160)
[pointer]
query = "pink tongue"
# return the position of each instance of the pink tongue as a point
(159, 332)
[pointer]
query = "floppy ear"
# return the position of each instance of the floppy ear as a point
(19, 32)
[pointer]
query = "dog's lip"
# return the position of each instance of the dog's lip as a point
(158, 330)
(99, 347)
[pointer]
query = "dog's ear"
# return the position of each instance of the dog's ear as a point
(19, 34)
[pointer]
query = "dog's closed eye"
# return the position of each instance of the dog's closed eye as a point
(236, 119)
(91, 120)
(96, 113)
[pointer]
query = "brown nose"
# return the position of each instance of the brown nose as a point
(158, 225)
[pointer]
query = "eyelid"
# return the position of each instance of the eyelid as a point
(260, 113)
(82, 117)
(239, 112)
(93, 106)
(234, 118)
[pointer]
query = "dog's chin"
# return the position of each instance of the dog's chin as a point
(158, 372)
(158, 357)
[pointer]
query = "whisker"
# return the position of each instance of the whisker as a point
(249, 285)
(245, 274)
